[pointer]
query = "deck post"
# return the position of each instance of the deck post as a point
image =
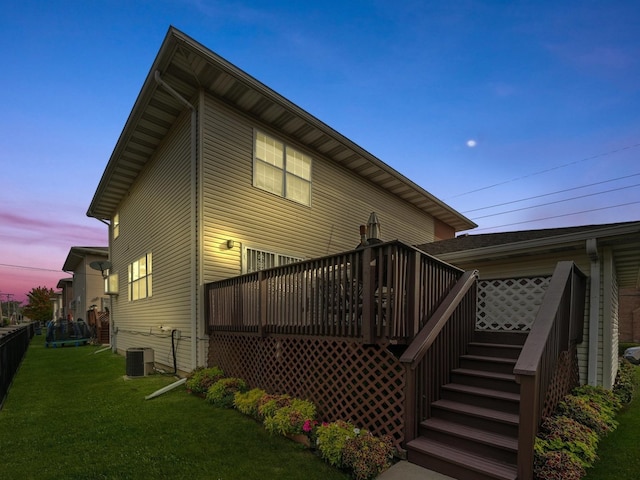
(368, 294)
(262, 304)
(413, 295)
(410, 405)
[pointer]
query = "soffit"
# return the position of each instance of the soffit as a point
(187, 67)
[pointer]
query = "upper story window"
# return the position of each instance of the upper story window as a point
(140, 276)
(115, 225)
(280, 169)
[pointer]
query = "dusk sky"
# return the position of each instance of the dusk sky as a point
(531, 108)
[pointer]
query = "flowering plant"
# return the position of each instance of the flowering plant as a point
(332, 438)
(247, 402)
(290, 420)
(200, 379)
(366, 455)
(269, 404)
(221, 393)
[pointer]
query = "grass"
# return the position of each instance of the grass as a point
(72, 414)
(619, 452)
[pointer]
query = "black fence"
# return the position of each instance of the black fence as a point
(14, 341)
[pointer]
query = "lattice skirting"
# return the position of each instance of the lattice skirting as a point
(566, 378)
(347, 381)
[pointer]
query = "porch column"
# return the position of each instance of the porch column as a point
(594, 311)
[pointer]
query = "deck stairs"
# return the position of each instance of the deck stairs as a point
(472, 432)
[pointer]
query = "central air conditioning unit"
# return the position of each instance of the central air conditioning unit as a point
(139, 361)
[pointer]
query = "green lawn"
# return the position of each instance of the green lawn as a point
(619, 452)
(72, 414)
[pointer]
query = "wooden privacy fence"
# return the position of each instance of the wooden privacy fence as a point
(376, 294)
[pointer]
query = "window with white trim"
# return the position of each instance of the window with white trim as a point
(254, 260)
(111, 284)
(140, 278)
(115, 225)
(281, 169)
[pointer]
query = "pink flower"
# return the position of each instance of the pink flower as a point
(308, 425)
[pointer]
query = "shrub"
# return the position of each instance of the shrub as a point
(560, 433)
(200, 379)
(606, 398)
(587, 411)
(222, 393)
(290, 419)
(269, 404)
(332, 438)
(622, 346)
(556, 465)
(624, 385)
(367, 456)
(247, 402)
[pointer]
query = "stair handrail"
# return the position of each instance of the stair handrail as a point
(425, 338)
(557, 328)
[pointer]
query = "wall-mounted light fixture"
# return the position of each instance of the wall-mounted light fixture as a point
(231, 243)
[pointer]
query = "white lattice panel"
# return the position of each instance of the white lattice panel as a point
(509, 304)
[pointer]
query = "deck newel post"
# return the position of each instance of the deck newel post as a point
(410, 407)
(262, 304)
(413, 295)
(529, 399)
(368, 314)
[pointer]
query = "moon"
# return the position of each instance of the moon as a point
(471, 143)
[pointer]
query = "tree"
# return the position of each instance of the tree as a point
(39, 306)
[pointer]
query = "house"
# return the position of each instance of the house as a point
(608, 254)
(233, 216)
(88, 283)
(216, 175)
(65, 301)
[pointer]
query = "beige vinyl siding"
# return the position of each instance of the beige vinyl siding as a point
(155, 218)
(234, 209)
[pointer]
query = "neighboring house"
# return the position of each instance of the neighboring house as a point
(215, 175)
(88, 283)
(630, 315)
(608, 254)
(56, 305)
(65, 301)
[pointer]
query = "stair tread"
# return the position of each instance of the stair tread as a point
(485, 392)
(481, 412)
(485, 358)
(497, 345)
(483, 436)
(471, 461)
(484, 373)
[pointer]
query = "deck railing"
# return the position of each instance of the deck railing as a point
(436, 350)
(14, 341)
(557, 328)
(376, 294)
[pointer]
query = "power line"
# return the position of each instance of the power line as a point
(533, 174)
(551, 193)
(556, 202)
(24, 267)
(558, 216)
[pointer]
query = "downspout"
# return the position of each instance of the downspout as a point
(594, 311)
(194, 212)
(112, 330)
